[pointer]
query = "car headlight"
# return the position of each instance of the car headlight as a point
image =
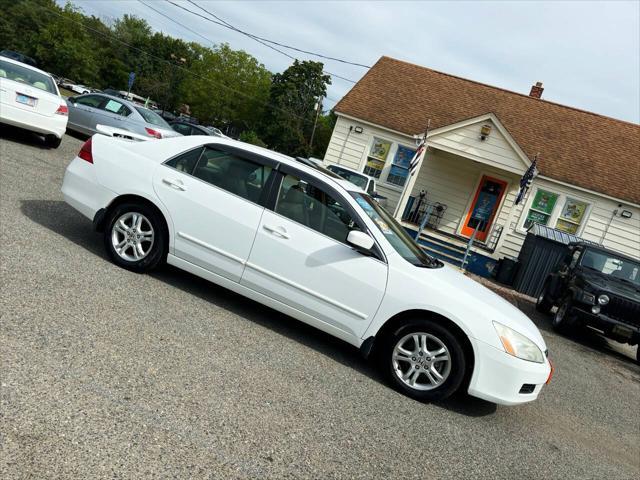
(518, 345)
(603, 299)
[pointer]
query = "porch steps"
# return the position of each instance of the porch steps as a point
(443, 250)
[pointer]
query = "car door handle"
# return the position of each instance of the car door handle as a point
(279, 231)
(177, 184)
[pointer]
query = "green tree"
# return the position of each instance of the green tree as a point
(291, 112)
(249, 136)
(228, 87)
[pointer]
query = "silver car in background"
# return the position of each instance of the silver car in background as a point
(88, 111)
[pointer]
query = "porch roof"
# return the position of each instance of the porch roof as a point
(581, 148)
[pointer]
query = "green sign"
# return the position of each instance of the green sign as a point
(544, 201)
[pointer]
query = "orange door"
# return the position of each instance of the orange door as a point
(484, 207)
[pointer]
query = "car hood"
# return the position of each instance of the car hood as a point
(484, 303)
(606, 283)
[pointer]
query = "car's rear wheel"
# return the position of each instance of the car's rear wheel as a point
(423, 360)
(544, 303)
(562, 320)
(134, 237)
(52, 141)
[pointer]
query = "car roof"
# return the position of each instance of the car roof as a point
(25, 65)
(593, 246)
(351, 170)
(192, 141)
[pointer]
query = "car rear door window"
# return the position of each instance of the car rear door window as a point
(182, 128)
(311, 206)
(232, 173)
(113, 106)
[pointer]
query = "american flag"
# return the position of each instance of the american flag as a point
(526, 179)
(415, 161)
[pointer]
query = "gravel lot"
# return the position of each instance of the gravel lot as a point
(109, 374)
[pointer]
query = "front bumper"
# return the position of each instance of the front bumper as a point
(609, 326)
(33, 121)
(499, 377)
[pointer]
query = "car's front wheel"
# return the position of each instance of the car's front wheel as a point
(562, 320)
(134, 237)
(424, 360)
(544, 303)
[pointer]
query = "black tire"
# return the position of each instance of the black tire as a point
(562, 321)
(393, 369)
(155, 249)
(52, 141)
(544, 304)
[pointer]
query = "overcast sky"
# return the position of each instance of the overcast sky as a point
(586, 53)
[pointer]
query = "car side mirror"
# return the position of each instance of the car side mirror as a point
(361, 241)
(72, 100)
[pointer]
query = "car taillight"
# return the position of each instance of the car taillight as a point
(62, 110)
(85, 152)
(153, 132)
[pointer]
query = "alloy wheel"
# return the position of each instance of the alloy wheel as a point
(132, 236)
(421, 361)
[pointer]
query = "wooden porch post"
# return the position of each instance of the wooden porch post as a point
(411, 181)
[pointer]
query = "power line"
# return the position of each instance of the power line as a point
(225, 24)
(278, 43)
(111, 37)
(200, 35)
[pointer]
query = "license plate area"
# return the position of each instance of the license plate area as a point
(26, 100)
(623, 332)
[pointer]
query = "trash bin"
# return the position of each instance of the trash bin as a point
(506, 271)
(543, 249)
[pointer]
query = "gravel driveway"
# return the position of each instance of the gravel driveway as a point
(109, 374)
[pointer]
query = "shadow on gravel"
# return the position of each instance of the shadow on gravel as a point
(25, 137)
(63, 220)
(60, 218)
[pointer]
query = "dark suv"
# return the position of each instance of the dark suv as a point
(597, 287)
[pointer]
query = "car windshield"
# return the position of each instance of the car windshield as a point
(27, 76)
(357, 179)
(613, 265)
(395, 233)
(152, 118)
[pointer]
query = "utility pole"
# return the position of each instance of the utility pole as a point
(315, 123)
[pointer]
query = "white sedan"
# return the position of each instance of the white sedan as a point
(312, 245)
(29, 99)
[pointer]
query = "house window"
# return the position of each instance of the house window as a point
(377, 157)
(572, 216)
(399, 171)
(541, 208)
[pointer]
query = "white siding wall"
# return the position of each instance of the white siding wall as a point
(495, 148)
(452, 179)
(623, 234)
(356, 149)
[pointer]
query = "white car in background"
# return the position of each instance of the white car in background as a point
(311, 245)
(359, 179)
(30, 99)
(80, 89)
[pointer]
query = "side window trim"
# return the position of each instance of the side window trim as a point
(284, 169)
(166, 162)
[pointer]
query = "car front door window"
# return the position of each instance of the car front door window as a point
(311, 206)
(93, 101)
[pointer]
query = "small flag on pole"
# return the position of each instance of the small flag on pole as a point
(526, 180)
(415, 161)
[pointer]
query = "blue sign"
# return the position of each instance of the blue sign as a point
(132, 77)
(484, 206)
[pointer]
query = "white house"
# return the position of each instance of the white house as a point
(481, 140)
